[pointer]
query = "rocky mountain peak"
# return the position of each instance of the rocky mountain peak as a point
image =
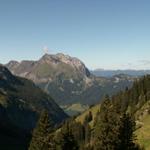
(61, 58)
(5, 74)
(12, 64)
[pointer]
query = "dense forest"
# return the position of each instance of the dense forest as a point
(113, 129)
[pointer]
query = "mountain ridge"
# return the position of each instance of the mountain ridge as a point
(67, 79)
(110, 73)
(21, 103)
(21, 93)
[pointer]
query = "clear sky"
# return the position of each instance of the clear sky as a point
(108, 34)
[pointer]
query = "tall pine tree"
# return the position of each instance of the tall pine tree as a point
(40, 138)
(67, 140)
(106, 129)
(114, 130)
(126, 133)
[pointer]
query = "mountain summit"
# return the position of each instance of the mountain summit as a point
(49, 67)
(60, 58)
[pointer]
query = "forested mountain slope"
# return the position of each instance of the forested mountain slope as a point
(135, 101)
(21, 102)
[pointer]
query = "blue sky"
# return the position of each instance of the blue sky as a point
(110, 34)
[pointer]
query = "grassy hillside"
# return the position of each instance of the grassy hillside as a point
(94, 111)
(143, 133)
(142, 119)
(75, 109)
(143, 124)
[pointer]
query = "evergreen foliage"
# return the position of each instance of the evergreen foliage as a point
(114, 130)
(67, 140)
(107, 127)
(40, 139)
(126, 133)
(88, 117)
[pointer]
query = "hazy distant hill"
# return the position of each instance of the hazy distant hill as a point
(110, 73)
(67, 79)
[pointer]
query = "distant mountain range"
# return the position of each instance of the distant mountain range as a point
(111, 73)
(68, 80)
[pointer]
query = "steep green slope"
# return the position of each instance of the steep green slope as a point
(143, 134)
(143, 124)
(136, 101)
(21, 102)
(93, 110)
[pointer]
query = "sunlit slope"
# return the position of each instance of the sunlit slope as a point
(143, 132)
(94, 111)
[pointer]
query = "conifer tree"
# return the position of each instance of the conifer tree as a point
(67, 140)
(40, 138)
(87, 133)
(88, 117)
(114, 130)
(126, 131)
(107, 127)
(78, 132)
